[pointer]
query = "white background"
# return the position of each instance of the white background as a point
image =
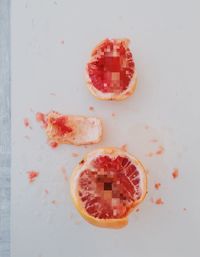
(165, 42)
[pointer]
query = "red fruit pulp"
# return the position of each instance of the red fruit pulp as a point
(112, 67)
(61, 125)
(110, 187)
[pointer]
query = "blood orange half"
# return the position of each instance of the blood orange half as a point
(111, 71)
(106, 185)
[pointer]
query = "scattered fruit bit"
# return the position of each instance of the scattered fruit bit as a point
(32, 175)
(41, 117)
(26, 123)
(53, 144)
(159, 201)
(107, 186)
(46, 191)
(111, 71)
(137, 210)
(154, 141)
(175, 173)
(124, 147)
(160, 150)
(113, 114)
(91, 108)
(151, 200)
(75, 155)
(64, 172)
(157, 186)
(150, 154)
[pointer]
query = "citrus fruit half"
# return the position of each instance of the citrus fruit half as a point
(71, 129)
(111, 71)
(106, 185)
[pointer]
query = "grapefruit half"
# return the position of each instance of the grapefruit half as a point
(110, 72)
(107, 185)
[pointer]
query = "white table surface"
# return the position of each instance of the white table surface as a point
(51, 43)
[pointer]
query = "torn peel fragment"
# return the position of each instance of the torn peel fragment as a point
(71, 129)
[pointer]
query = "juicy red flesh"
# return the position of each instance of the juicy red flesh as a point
(110, 188)
(112, 67)
(60, 124)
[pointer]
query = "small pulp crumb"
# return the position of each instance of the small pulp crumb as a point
(26, 122)
(160, 150)
(157, 185)
(175, 173)
(137, 210)
(159, 201)
(41, 117)
(124, 147)
(32, 175)
(154, 141)
(150, 154)
(64, 172)
(91, 108)
(113, 114)
(75, 154)
(53, 144)
(151, 200)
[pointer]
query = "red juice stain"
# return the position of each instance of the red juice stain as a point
(32, 175)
